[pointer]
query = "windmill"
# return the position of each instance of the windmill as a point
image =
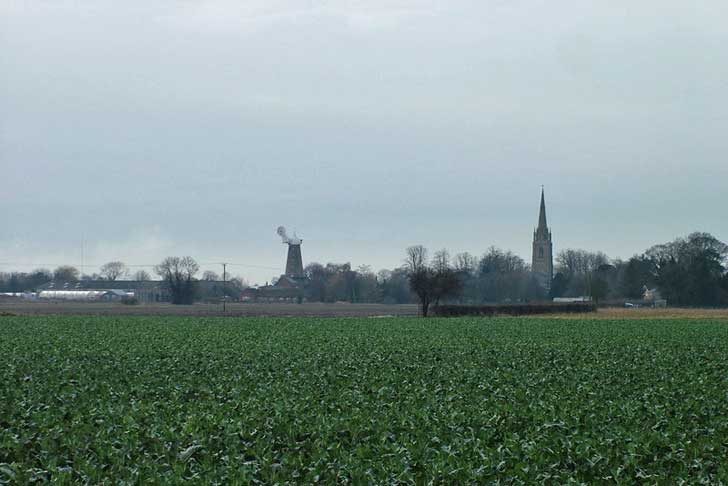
(294, 261)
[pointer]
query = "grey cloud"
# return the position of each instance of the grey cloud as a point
(213, 122)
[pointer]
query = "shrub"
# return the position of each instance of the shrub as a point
(513, 309)
(129, 301)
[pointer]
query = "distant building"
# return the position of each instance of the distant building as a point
(653, 298)
(290, 285)
(83, 295)
(542, 261)
(15, 296)
(650, 295)
(571, 300)
(143, 290)
(285, 290)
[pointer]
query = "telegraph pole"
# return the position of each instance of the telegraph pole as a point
(224, 288)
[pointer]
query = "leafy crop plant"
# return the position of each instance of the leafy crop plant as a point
(134, 400)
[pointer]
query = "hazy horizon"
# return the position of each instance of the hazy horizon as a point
(198, 128)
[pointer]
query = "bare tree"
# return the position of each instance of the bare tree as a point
(179, 275)
(447, 281)
(466, 266)
(466, 263)
(416, 258)
(66, 273)
(210, 276)
(578, 267)
(142, 276)
(113, 270)
(575, 262)
(238, 282)
(503, 276)
(366, 287)
(420, 276)
(434, 282)
(317, 278)
(441, 260)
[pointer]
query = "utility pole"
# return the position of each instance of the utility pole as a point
(224, 288)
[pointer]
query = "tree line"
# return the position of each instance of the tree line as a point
(689, 271)
(177, 274)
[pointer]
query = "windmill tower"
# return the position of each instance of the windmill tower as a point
(294, 261)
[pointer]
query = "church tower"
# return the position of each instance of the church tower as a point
(542, 263)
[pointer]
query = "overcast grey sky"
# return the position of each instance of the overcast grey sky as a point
(199, 127)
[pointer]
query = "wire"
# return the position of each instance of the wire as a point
(131, 265)
(243, 265)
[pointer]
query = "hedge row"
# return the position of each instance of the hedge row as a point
(513, 309)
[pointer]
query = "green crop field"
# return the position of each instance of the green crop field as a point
(300, 400)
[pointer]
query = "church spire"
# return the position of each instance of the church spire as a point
(542, 264)
(542, 227)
